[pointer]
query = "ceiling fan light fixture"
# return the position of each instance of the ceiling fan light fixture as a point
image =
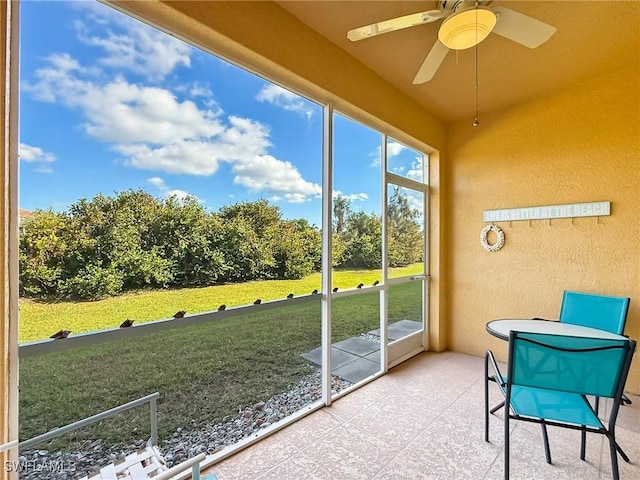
(467, 28)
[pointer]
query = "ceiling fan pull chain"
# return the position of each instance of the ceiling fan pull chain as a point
(476, 122)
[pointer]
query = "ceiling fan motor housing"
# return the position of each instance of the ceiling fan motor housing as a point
(457, 5)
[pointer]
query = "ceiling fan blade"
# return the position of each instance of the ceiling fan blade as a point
(522, 29)
(394, 24)
(431, 63)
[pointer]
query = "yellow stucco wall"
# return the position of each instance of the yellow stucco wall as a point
(580, 144)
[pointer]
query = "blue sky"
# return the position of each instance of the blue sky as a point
(108, 104)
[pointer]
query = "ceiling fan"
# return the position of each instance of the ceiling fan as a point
(466, 23)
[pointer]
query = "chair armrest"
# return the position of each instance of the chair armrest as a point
(497, 376)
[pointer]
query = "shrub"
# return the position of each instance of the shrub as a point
(93, 282)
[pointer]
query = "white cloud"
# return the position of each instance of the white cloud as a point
(132, 45)
(29, 153)
(285, 99)
(190, 157)
(155, 130)
(277, 177)
(416, 172)
(64, 62)
(179, 195)
(148, 124)
(239, 142)
(243, 144)
(157, 182)
(61, 72)
(247, 137)
(352, 197)
(393, 150)
(199, 90)
(125, 113)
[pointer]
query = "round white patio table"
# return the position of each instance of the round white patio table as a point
(501, 328)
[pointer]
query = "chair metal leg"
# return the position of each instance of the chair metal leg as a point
(486, 397)
(506, 445)
(584, 438)
(488, 379)
(613, 447)
(545, 438)
(618, 447)
(497, 407)
(622, 454)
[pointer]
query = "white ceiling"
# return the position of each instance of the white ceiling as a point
(593, 38)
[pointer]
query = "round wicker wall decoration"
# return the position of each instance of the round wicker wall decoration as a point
(485, 242)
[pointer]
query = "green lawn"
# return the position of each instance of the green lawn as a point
(203, 372)
(38, 320)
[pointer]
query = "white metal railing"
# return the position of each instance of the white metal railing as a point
(8, 445)
(193, 463)
(151, 399)
(177, 471)
(41, 347)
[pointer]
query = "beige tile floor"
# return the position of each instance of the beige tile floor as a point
(424, 420)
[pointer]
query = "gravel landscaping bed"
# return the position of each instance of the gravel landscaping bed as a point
(185, 442)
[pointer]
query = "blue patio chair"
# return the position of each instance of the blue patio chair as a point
(548, 378)
(603, 312)
(596, 311)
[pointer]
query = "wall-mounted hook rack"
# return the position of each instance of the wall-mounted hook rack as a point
(570, 210)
